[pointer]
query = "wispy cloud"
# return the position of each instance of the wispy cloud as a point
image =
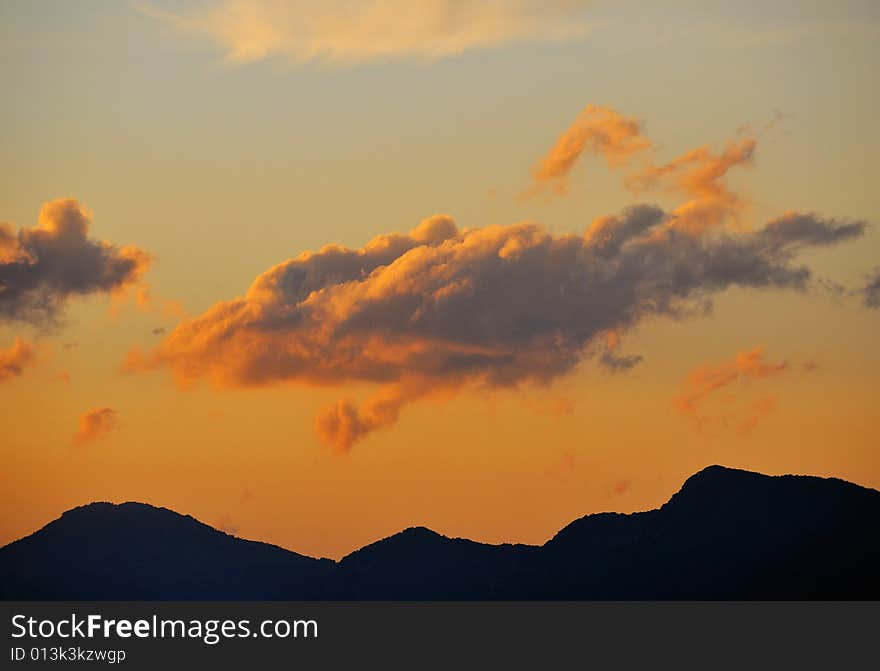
(871, 289)
(699, 174)
(340, 31)
(727, 383)
(597, 130)
(711, 378)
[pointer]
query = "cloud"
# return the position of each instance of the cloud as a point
(343, 424)
(709, 379)
(617, 364)
(95, 423)
(440, 308)
(700, 175)
(16, 358)
(621, 487)
(757, 411)
(871, 290)
(597, 130)
(147, 302)
(609, 358)
(809, 230)
(42, 267)
(341, 31)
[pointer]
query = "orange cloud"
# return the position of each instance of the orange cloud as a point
(620, 487)
(42, 267)
(709, 379)
(597, 130)
(758, 410)
(700, 175)
(166, 308)
(94, 424)
(344, 424)
(437, 309)
(339, 31)
(16, 358)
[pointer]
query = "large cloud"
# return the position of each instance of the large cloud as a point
(353, 32)
(500, 306)
(43, 266)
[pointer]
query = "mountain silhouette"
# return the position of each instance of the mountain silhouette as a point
(727, 534)
(136, 551)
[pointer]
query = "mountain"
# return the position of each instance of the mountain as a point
(421, 564)
(134, 551)
(727, 534)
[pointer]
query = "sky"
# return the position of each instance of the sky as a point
(314, 272)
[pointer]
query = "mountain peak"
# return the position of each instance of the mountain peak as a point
(718, 482)
(716, 479)
(108, 507)
(716, 474)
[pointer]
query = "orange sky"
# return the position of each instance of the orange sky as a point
(517, 309)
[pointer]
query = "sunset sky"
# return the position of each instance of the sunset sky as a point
(314, 272)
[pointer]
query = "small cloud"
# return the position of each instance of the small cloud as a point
(709, 379)
(166, 308)
(44, 266)
(94, 424)
(620, 487)
(871, 290)
(619, 364)
(15, 359)
(757, 411)
(700, 175)
(597, 130)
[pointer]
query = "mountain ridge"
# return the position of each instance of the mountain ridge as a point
(726, 533)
